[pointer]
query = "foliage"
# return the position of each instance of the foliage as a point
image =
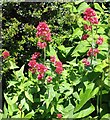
(79, 91)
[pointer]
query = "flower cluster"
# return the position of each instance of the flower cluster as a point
(5, 54)
(58, 65)
(86, 62)
(59, 115)
(92, 52)
(43, 32)
(85, 36)
(35, 55)
(34, 66)
(90, 15)
(87, 27)
(100, 40)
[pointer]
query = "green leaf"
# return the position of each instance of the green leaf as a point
(20, 73)
(29, 96)
(52, 52)
(89, 93)
(82, 47)
(68, 111)
(82, 7)
(51, 95)
(15, 98)
(97, 6)
(13, 65)
(29, 115)
(5, 111)
(84, 112)
(105, 116)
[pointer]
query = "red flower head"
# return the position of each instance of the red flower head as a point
(85, 36)
(40, 76)
(41, 68)
(52, 59)
(59, 70)
(92, 52)
(86, 63)
(35, 55)
(5, 54)
(49, 79)
(41, 45)
(87, 27)
(32, 63)
(58, 64)
(43, 31)
(90, 15)
(100, 40)
(59, 115)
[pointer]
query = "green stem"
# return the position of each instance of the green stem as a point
(98, 109)
(44, 54)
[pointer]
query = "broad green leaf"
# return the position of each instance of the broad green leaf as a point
(52, 110)
(82, 7)
(106, 116)
(13, 65)
(84, 112)
(51, 95)
(77, 32)
(8, 100)
(14, 100)
(52, 52)
(82, 47)
(20, 73)
(16, 116)
(5, 111)
(29, 96)
(89, 93)
(97, 6)
(99, 67)
(68, 111)
(1, 116)
(30, 114)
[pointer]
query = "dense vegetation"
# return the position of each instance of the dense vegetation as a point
(76, 79)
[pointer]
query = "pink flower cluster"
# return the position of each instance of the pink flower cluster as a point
(86, 62)
(100, 40)
(87, 27)
(85, 36)
(92, 52)
(43, 32)
(90, 15)
(34, 67)
(58, 65)
(5, 54)
(59, 115)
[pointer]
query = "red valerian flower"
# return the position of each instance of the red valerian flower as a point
(35, 55)
(87, 27)
(85, 36)
(94, 20)
(92, 52)
(59, 67)
(41, 68)
(58, 64)
(90, 15)
(86, 62)
(89, 12)
(41, 45)
(59, 70)
(59, 115)
(40, 76)
(52, 59)
(49, 79)
(43, 31)
(33, 63)
(100, 40)
(5, 54)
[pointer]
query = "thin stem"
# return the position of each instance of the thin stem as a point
(44, 54)
(98, 109)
